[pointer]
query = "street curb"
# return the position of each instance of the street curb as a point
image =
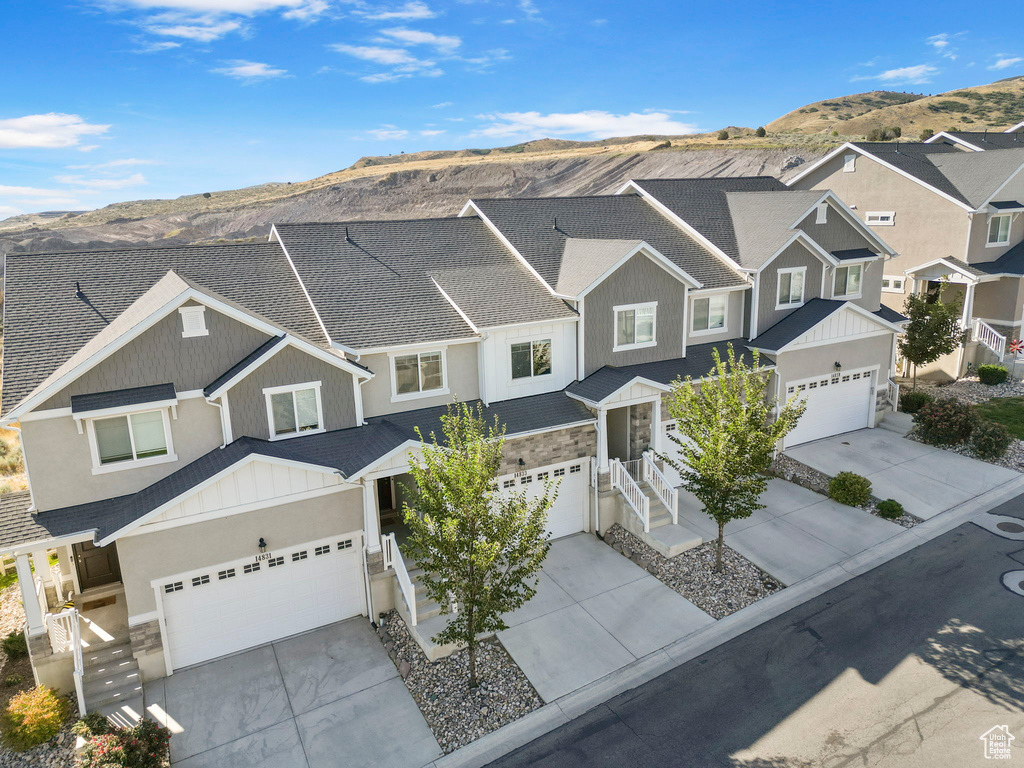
(508, 738)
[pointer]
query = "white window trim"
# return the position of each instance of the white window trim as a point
(444, 390)
(725, 315)
(894, 278)
(1009, 230)
(94, 449)
(270, 391)
(821, 216)
(512, 380)
(616, 347)
(199, 311)
(889, 223)
(847, 296)
(778, 285)
(849, 163)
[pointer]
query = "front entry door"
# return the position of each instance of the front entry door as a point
(96, 565)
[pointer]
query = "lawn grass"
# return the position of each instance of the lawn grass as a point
(1008, 411)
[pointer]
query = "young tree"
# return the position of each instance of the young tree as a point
(478, 546)
(934, 328)
(727, 432)
(760, 132)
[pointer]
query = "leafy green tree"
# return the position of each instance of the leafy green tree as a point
(760, 132)
(727, 433)
(926, 133)
(723, 135)
(934, 328)
(479, 547)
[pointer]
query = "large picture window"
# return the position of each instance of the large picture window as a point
(709, 313)
(130, 438)
(531, 358)
(294, 410)
(848, 280)
(635, 326)
(419, 372)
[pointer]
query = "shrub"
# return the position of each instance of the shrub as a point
(945, 422)
(890, 509)
(13, 680)
(723, 135)
(15, 645)
(33, 717)
(93, 724)
(850, 488)
(912, 400)
(760, 132)
(990, 439)
(926, 134)
(992, 374)
(144, 745)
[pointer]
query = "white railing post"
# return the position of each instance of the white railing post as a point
(893, 395)
(65, 633)
(387, 546)
(393, 559)
(634, 495)
(987, 335)
(76, 642)
(662, 487)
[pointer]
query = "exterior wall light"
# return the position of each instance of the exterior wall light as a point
(262, 545)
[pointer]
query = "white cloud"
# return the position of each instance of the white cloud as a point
(530, 10)
(592, 124)
(388, 133)
(442, 105)
(310, 11)
(135, 180)
(88, 148)
(200, 30)
(431, 133)
(389, 56)
(157, 47)
(127, 161)
(241, 7)
(409, 11)
(915, 75)
(54, 130)
(1005, 62)
(249, 71)
(33, 192)
(943, 44)
(443, 43)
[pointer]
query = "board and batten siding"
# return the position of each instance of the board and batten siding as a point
(496, 354)
(248, 405)
(460, 368)
(639, 281)
(796, 255)
(160, 356)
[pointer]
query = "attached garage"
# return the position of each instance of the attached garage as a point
(836, 403)
(568, 515)
(229, 607)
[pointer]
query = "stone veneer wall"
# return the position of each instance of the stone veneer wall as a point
(146, 638)
(550, 448)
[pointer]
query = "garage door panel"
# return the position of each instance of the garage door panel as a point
(568, 514)
(222, 616)
(836, 403)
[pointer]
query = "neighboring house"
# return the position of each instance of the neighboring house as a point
(952, 208)
(979, 141)
(217, 437)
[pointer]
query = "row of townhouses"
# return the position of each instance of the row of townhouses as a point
(217, 437)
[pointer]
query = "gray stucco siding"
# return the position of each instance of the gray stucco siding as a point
(209, 542)
(638, 281)
(462, 366)
(796, 255)
(160, 355)
(247, 402)
(998, 300)
(61, 460)
(858, 353)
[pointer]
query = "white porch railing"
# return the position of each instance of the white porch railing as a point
(393, 559)
(662, 487)
(635, 497)
(988, 336)
(892, 395)
(65, 632)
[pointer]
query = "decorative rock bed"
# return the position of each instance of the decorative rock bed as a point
(692, 573)
(456, 714)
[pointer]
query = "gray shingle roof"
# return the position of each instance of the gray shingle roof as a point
(529, 224)
(796, 323)
(263, 349)
(487, 295)
(45, 322)
(584, 261)
(1010, 263)
(1007, 205)
(698, 361)
(855, 253)
(989, 140)
(891, 315)
(764, 221)
(121, 397)
(371, 280)
(347, 451)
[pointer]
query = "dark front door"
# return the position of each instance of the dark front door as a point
(385, 498)
(96, 565)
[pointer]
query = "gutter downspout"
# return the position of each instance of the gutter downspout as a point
(223, 426)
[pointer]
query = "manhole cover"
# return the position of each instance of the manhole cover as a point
(1021, 586)
(1010, 527)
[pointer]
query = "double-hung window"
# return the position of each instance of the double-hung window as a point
(709, 313)
(635, 326)
(791, 287)
(294, 410)
(999, 229)
(847, 282)
(133, 439)
(419, 373)
(893, 283)
(531, 358)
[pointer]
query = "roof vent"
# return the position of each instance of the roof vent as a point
(78, 290)
(347, 238)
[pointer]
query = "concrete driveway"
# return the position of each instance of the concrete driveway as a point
(594, 612)
(326, 698)
(797, 534)
(925, 480)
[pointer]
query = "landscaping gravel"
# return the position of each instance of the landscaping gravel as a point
(1014, 458)
(456, 714)
(973, 391)
(692, 573)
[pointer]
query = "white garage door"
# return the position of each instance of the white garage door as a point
(836, 403)
(238, 605)
(569, 512)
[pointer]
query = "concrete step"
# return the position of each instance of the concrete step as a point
(660, 517)
(99, 671)
(123, 713)
(899, 422)
(104, 653)
(99, 689)
(113, 695)
(672, 539)
(424, 630)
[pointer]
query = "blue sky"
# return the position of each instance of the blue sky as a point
(128, 99)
